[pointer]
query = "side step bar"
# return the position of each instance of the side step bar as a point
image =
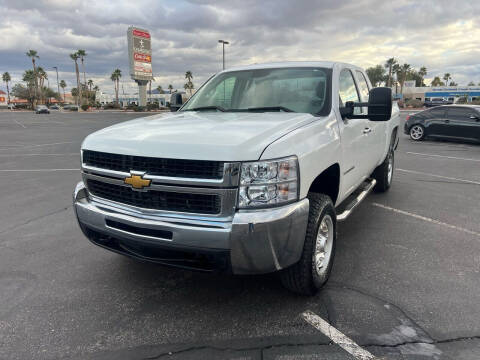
(355, 199)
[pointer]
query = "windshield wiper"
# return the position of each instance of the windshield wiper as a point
(212, 107)
(269, 108)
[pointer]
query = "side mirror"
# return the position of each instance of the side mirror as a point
(176, 102)
(379, 106)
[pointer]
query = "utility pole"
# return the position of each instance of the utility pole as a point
(223, 42)
(58, 86)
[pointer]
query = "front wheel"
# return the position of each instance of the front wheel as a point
(311, 272)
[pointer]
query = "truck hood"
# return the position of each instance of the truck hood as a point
(197, 135)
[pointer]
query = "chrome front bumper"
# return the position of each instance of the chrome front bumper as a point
(254, 242)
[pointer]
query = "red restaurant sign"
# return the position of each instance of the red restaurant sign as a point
(140, 33)
(142, 57)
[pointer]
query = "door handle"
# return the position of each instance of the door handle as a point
(447, 121)
(367, 130)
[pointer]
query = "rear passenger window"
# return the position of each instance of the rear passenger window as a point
(347, 90)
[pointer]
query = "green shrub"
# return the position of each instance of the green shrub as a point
(111, 106)
(85, 107)
(414, 103)
(139, 108)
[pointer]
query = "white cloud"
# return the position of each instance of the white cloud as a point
(430, 33)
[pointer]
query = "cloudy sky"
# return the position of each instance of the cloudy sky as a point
(442, 35)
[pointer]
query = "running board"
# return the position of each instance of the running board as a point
(355, 199)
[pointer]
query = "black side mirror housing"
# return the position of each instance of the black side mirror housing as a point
(379, 106)
(176, 102)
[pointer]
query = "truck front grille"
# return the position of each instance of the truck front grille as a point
(157, 200)
(201, 169)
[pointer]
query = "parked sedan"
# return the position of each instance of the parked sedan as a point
(449, 121)
(42, 109)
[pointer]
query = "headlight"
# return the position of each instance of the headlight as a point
(267, 183)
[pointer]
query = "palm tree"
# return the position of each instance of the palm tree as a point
(90, 84)
(30, 78)
(96, 88)
(447, 77)
(159, 89)
(75, 57)
(170, 87)
(42, 76)
(82, 54)
(32, 54)
(436, 81)
(6, 78)
(389, 65)
(404, 69)
(422, 72)
(115, 77)
(396, 71)
(63, 85)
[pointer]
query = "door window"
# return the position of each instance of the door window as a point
(364, 90)
(347, 90)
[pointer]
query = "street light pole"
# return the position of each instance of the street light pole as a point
(58, 86)
(223, 42)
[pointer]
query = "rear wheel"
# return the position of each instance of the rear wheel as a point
(417, 132)
(383, 174)
(311, 272)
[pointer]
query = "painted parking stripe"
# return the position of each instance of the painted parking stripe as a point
(39, 145)
(28, 170)
(442, 156)
(18, 123)
(337, 337)
(424, 218)
(64, 154)
(439, 176)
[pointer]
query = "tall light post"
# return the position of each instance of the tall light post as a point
(223, 42)
(58, 86)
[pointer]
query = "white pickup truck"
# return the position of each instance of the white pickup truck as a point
(250, 176)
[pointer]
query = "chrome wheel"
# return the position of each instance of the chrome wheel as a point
(323, 247)
(390, 168)
(416, 132)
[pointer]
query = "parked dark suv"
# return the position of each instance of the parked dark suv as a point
(450, 121)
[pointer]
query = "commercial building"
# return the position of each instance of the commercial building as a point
(3, 98)
(129, 99)
(451, 93)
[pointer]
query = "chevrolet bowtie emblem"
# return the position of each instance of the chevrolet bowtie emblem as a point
(137, 182)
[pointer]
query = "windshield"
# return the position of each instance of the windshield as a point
(303, 90)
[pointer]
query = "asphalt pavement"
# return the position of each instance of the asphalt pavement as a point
(405, 282)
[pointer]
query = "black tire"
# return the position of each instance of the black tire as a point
(382, 172)
(302, 278)
(416, 132)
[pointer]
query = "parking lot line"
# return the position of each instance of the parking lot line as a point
(28, 170)
(442, 156)
(337, 337)
(439, 176)
(19, 123)
(39, 145)
(65, 154)
(424, 218)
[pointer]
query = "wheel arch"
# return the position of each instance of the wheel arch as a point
(327, 182)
